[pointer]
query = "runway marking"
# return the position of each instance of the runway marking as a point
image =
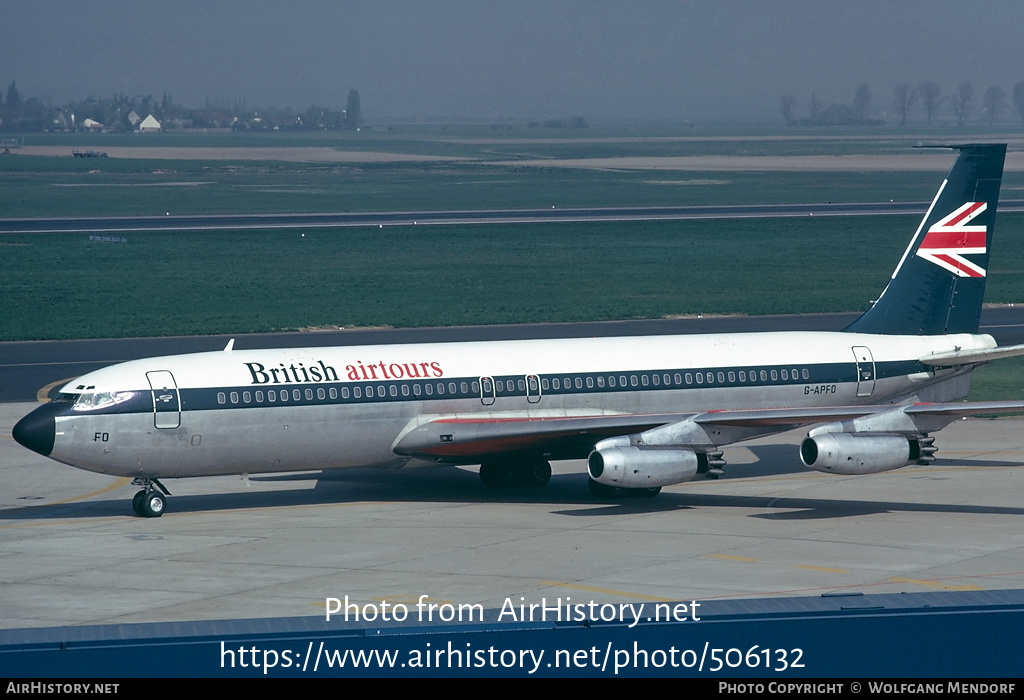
(821, 568)
(932, 583)
(42, 396)
(733, 557)
(607, 591)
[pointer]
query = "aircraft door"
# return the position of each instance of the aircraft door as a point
(865, 370)
(166, 399)
(533, 388)
(486, 390)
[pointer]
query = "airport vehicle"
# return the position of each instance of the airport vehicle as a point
(646, 412)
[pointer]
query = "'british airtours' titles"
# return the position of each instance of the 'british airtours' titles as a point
(298, 373)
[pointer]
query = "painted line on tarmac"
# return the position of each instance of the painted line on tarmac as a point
(43, 395)
(607, 591)
(118, 483)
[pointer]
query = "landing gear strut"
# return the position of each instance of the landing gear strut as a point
(149, 502)
(506, 474)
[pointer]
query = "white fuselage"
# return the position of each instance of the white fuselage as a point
(249, 411)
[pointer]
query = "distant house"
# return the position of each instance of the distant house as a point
(91, 125)
(149, 125)
(134, 118)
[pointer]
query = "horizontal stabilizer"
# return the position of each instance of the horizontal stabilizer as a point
(971, 357)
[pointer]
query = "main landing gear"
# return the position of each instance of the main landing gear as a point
(505, 474)
(149, 502)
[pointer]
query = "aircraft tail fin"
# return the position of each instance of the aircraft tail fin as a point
(939, 285)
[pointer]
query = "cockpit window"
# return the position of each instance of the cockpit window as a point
(101, 399)
(65, 397)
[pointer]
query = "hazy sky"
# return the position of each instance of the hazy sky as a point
(649, 59)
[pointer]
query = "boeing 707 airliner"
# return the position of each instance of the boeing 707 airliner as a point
(645, 412)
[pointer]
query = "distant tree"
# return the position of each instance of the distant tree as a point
(1018, 100)
(786, 106)
(13, 100)
(861, 98)
(814, 108)
(578, 123)
(931, 96)
(352, 116)
(995, 100)
(904, 96)
(961, 102)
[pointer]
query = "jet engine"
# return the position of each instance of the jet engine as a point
(633, 468)
(859, 453)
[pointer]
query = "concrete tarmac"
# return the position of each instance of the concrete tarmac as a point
(72, 552)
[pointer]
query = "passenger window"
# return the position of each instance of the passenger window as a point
(656, 380)
(679, 379)
(333, 393)
(259, 397)
(732, 377)
(309, 394)
(700, 378)
(556, 383)
(464, 387)
(805, 374)
(357, 392)
(234, 397)
(416, 389)
(600, 382)
(271, 396)
(545, 384)
(521, 383)
(405, 389)
(380, 391)
(764, 376)
(785, 375)
(689, 378)
(711, 377)
(775, 375)
(221, 397)
(246, 397)
(284, 394)
(393, 390)
(644, 380)
(633, 380)
(611, 380)
(344, 392)
(721, 377)
(743, 376)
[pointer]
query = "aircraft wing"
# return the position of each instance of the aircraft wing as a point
(468, 439)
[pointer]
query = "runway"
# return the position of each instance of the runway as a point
(74, 554)
(229, 222)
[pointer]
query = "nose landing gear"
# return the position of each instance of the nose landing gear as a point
(149, 502)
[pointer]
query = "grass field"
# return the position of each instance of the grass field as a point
(65, 286)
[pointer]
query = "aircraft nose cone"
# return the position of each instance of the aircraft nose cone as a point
(36, 430)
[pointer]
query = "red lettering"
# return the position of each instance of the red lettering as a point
(438, 372)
